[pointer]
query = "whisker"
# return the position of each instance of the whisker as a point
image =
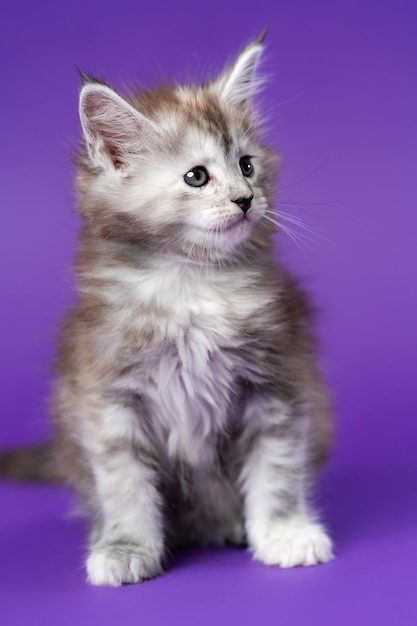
(297, 221)
(297, 237)
(310, 229)
(294, 236)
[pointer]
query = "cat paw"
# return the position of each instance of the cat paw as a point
(292, 544)
(112, 565)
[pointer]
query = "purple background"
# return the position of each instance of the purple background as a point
(343, 99)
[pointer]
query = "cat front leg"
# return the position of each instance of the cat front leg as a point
(127, 539)
(280, 527)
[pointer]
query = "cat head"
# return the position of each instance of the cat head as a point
(180, 169)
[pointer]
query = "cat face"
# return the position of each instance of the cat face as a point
(180, 169)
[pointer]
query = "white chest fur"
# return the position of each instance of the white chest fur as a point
(189, 375)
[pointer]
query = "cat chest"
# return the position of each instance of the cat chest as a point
(184, 341)
(189, 382)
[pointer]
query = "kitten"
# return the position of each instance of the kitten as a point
(188, 404)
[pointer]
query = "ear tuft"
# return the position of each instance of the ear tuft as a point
(262, 36)
(113, 130)
(89, 78)
(239, 83)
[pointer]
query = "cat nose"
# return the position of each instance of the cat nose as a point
(244, 203)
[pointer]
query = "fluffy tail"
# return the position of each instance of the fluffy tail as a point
(32, 464)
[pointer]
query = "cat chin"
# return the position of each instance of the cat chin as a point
(227, 234)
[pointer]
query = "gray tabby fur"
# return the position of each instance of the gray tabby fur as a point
(188, 403)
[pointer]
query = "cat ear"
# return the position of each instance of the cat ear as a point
(240, 82)
(113, 129)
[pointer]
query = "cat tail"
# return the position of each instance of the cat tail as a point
(35, 463)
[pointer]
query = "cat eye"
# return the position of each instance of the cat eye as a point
(246, 166)
(197, 177)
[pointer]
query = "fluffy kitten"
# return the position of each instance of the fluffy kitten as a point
(188, 404)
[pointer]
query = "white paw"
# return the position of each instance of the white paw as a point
(112, 565)
(294, 543)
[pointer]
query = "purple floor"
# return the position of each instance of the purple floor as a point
(343, 100)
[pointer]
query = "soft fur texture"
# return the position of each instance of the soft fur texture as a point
(188, 405)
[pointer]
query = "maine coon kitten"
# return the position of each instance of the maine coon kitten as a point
(188, 404)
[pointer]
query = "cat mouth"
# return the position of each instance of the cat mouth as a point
(229, 224)
(232, 224)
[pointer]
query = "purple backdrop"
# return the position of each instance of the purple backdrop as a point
(343, 99)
